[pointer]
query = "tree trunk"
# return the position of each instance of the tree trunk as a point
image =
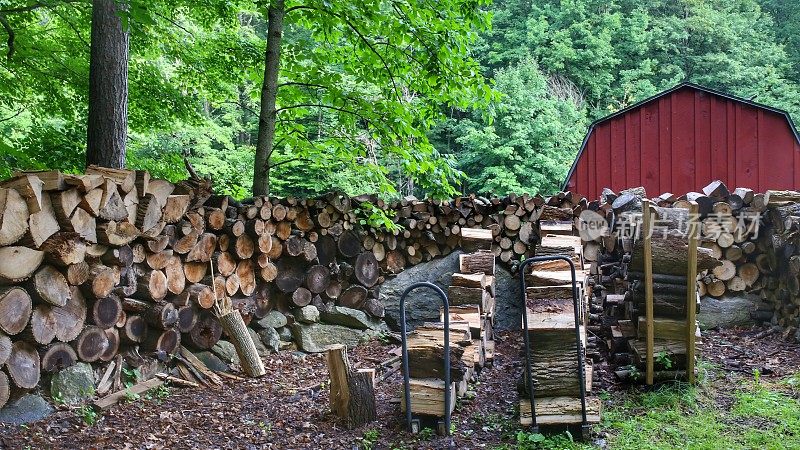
(352, 394)
(269, 94)
(108, 87)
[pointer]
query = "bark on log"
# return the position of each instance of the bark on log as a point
(478, 262)
(670, 257)
(234, 326)
(352, 393)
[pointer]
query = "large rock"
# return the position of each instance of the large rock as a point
(226, 352)
(423, 304)
(285, 334)
(507, 310)
(726, 312)
(73, 384)
(262, 350)
(212, 361)
(26, 409)
(274, 319)
(307, 314)
(349, 317)
(270, 337)
(318, 337)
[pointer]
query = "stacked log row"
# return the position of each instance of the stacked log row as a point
(113, 261)
(471, 312)
(551, 323)
(780, 262)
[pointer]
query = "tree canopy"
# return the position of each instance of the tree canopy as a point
(393, 97)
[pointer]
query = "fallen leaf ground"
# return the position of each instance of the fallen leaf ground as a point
(747, 399)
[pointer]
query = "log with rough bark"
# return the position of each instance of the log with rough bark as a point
(206, 332)
(352, 392)
(234, 326)
(670, 257)
(478, 262)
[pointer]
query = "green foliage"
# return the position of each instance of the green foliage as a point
(373, 217)
(369, 439)
(663, 359)
(395, 98)
(528, 139)
(130, 377)
(88, 415)
(131, 397)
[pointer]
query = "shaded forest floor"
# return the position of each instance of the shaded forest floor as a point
(748, 397)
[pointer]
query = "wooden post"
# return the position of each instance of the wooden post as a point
(647, 228)
(691, 291)
(352, 391)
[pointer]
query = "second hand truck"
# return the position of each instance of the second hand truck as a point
(585, 427)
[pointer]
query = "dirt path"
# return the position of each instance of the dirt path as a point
(278, 411)
(289, 407)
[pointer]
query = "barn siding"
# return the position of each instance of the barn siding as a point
(681, 141)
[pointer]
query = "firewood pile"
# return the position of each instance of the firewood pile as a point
(471, 345)
(748, 245)
(551, 329)
(113, 262)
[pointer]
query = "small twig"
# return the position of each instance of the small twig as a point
(176, 380)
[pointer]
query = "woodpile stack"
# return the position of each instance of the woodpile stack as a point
(551, 328)
(780, 260)
(112, 261)
(471, 314)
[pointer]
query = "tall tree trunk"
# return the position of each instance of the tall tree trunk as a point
(108, 87)
(269, 93)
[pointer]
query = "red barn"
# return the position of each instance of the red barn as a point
(682, 139)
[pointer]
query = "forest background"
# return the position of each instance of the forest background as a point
(396, 97)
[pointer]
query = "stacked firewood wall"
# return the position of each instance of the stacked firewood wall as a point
(112, 261)
(471, 313)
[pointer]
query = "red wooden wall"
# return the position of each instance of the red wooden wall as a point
(683, 139)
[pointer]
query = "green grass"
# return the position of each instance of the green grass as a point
(730, 415)
(733, 412)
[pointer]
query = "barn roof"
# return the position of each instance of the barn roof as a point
(669, 91)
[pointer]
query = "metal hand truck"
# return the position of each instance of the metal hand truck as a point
(413, 424)
(528, 370)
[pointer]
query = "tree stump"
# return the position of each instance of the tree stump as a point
(352, 394)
